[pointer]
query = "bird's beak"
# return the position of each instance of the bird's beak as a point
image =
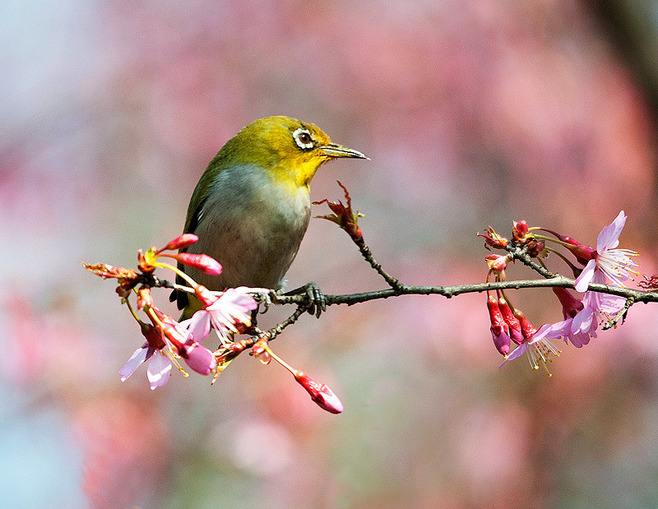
(334, 150)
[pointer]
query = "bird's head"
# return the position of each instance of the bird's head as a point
(290, 150)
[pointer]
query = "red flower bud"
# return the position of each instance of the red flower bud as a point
(202, 262)
(184, 240)
(512, 321)
(499, 328)
(323, 396)
(571, 306)
(582, 252)
(527, 328)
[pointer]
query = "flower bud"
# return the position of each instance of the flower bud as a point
(198, 357)
(202, 262)
(499, 328)
(323, 396)
(184, 240)
(527, 328)
(512, 321)
(582, 252)
(571, 306)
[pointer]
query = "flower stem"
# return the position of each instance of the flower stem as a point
(132, 311)
(177, 271)
(280, 360)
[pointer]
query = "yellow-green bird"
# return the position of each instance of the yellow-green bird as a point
(252, 206)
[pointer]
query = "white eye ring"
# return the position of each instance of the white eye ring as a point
(301, 136)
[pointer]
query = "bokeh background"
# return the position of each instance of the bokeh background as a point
(474, 113)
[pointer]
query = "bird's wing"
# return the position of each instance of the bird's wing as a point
(194, 212)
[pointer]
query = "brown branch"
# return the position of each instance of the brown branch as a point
(551, 280)
(368, 256)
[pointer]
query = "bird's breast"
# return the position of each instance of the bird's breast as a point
(253, 226)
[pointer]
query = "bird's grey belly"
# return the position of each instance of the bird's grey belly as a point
(255, 237)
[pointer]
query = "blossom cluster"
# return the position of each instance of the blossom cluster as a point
(582, 312)
(170, 343)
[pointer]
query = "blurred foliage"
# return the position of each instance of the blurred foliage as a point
(474, 113)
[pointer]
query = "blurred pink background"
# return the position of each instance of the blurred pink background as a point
(474, 113)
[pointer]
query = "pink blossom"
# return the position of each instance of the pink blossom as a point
(581, 317)
(159, 368)
(577, 333)
(232, 308)
(197, 357)
(539, 350)
(608, 263)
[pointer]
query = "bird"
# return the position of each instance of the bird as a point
(252, 205)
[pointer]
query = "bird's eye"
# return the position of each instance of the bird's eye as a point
(303, 138)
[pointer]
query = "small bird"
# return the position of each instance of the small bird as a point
(252, 206)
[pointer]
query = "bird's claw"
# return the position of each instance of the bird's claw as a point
(317, 302)
(264, 297)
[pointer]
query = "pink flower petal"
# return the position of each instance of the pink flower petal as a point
(579, 340)
(552, 331)
(199, 325)
(583, 321)
(200, 359)
(136, 359)
(609, 236)
(609, 304)
(233, 306)
(583, 281)
(158, 371)
(518, 352)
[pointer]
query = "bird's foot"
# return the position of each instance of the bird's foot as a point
(254, 315)
(264, 297)
(317, 302)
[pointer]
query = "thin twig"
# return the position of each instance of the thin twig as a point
(397, 288)
(368, 256)
(449, 291)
